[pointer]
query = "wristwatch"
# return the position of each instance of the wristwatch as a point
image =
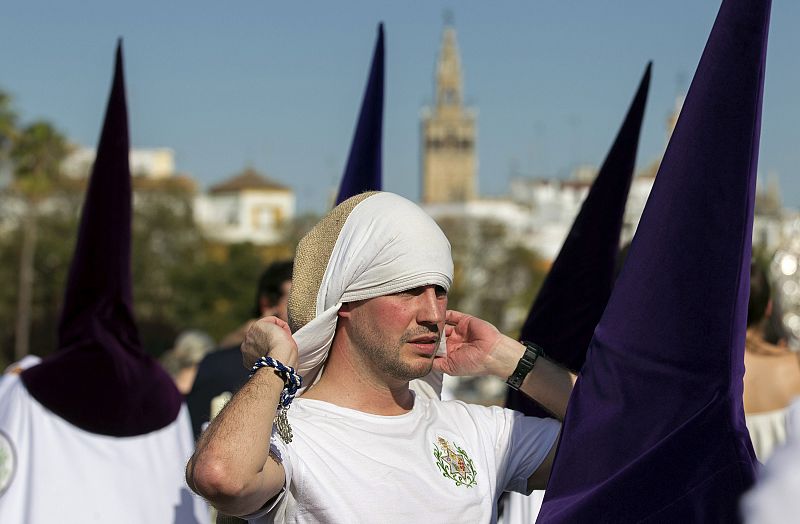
(525, 364)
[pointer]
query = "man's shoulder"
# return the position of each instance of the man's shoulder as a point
(438, 412)
(490, 419)
(12, 391)
(460, 412)
(460, 405)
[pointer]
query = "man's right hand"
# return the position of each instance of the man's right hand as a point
(231, 467)
(270, 337)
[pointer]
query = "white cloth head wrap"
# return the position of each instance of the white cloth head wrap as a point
(386, 244)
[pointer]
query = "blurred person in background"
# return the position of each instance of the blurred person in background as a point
(772, 372)
(220, 374)
(272, 295)
(181, 361)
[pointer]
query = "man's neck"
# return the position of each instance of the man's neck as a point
(348, 385)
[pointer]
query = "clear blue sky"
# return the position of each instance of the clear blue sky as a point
(277, 85)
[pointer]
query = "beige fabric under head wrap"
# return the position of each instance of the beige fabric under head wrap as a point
(311, 260)
(370, 245)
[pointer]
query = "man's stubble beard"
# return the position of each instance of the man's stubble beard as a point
(384, 355)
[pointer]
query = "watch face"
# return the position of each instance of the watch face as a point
(8, 462)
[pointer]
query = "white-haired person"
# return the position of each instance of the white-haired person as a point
(369, 438)
(181, 361)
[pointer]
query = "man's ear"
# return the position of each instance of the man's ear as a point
(345, 310)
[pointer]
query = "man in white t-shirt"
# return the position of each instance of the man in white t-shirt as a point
(369, 438)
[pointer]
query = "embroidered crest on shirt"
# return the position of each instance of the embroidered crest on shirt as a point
(8, 462)
(454, 463)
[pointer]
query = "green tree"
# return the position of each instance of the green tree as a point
(496, 279)
(56, 231)
(217, 292)
(165, 241)
(183, 280)
(36, 154)
(8, 124)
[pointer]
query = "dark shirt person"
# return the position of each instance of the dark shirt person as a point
(221, 371)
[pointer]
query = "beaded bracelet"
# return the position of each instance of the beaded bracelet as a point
(291, 383)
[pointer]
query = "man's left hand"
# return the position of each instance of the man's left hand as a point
(472, 347)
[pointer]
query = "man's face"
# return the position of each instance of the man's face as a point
(280, 308)
(398, 335)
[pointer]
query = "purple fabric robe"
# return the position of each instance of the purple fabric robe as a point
(655, 427)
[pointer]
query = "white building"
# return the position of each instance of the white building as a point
(246, 208)
(150, 162)
(539, 213)
(552, 205)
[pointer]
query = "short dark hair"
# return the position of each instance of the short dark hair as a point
(759, 294)
(269, 285)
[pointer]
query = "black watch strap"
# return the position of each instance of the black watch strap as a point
(525, 365)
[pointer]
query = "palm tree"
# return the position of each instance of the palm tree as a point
(36, 154)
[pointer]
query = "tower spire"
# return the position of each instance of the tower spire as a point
(448, 72)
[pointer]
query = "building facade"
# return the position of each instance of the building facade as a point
(248, 207)
(156, 162)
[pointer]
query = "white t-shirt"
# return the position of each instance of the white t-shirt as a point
(52, 471)
(440, 462)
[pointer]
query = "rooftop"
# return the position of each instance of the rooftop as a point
(248, 179)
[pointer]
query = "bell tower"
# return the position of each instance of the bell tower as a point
(449, 163)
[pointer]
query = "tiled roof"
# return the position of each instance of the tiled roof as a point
(248, 179)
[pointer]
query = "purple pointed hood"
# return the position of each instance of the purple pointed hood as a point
(574, 294)
(100, 379)
(363, 171)
(655, 427)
